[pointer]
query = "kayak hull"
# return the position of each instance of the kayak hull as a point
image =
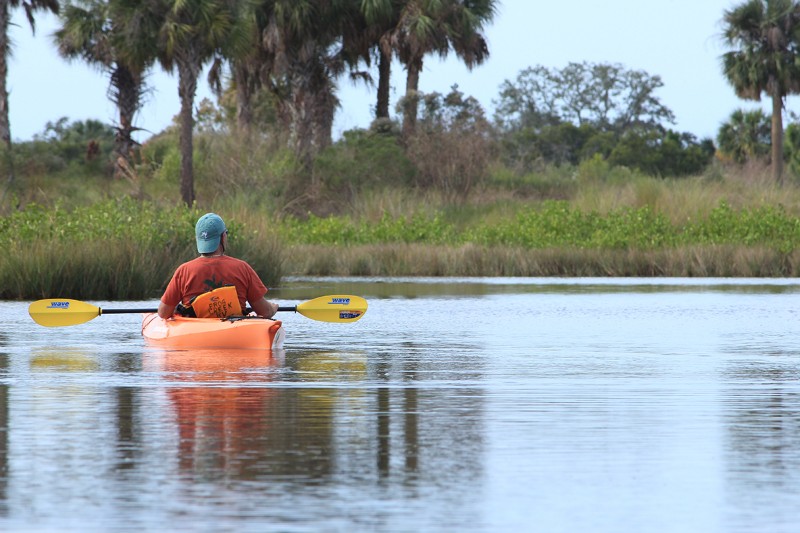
(253, 332)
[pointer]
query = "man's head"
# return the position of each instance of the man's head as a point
(208, 231)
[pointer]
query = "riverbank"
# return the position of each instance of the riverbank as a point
(473, 260)
(127, 248)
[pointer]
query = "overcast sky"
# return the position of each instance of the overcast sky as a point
(678, 40)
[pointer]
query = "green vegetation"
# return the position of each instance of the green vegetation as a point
(578, 172)
(596, 221)
(117, 249)
(451, 200)
(288, 54)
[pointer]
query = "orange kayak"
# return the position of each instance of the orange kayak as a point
(241, 332)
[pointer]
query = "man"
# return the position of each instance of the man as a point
(228, 277)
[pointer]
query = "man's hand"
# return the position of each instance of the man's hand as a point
(165, 311)
(264, 308)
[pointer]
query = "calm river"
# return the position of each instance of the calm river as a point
(541, 405)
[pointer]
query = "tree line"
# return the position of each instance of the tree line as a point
(287, 56)
(293, 49)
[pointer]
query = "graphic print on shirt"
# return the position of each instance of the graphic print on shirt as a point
(213, 283)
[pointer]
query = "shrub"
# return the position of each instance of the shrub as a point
(363, 159)
(451, 148)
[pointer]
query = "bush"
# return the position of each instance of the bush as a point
(79, 146)
(363, 159)
(451, 148)
(663, 154)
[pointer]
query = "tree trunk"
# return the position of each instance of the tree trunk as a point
(5, 124)
(384, 78)
(129, 90)
(324, 103)
(188, 72)
(245, 87)
(777, 138)
(312, 107)
(301, 130)
(411, 103)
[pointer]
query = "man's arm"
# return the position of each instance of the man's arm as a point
(264, 308)
(165, 311)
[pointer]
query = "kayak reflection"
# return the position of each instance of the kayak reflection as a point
(237, 420)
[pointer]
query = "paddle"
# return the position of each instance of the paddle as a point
(55, 312)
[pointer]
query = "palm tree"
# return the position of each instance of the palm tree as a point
(745, 136)
(370, 35)
(30, 7)
(300, 39)
(248, 73)
(438, 26)
(764, 36)
(192, 32)
(110, 35)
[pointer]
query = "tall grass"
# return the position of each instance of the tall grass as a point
(92, 237)
(688, 198)
(128, 249)
(476, 260)
(123, 249)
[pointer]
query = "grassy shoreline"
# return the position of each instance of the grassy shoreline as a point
(97, 271)
(500, 261)
(126, 247)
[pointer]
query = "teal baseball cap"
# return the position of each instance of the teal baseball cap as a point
(208, 231)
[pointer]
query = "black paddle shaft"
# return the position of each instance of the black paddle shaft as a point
(123, 311)
(292, 308)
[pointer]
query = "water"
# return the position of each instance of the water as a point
(598, 405)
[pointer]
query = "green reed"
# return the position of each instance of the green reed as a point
(120, 249)
(128, 249)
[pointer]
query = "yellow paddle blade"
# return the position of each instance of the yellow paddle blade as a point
(55, 312)
(336, 308)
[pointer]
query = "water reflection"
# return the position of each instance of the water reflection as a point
(762, 417)
(417, 287)
(4, 435)
(67, 359)
(314, 415)
(221, 407)
(453, 406)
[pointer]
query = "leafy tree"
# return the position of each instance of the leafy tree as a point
(300, 38)
(83, 146)
(559, 144)
(764, 36)
(77, 140)
(110, 36)
(370, 34)
(360, 160)
(564, 116)
(528, 102)
(250, 73)
(30, 7)
(662, 153)
(605, 96)
(745, 136)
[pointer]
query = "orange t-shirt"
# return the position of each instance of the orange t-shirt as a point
(206, 273)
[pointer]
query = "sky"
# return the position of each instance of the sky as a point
(677, 40)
